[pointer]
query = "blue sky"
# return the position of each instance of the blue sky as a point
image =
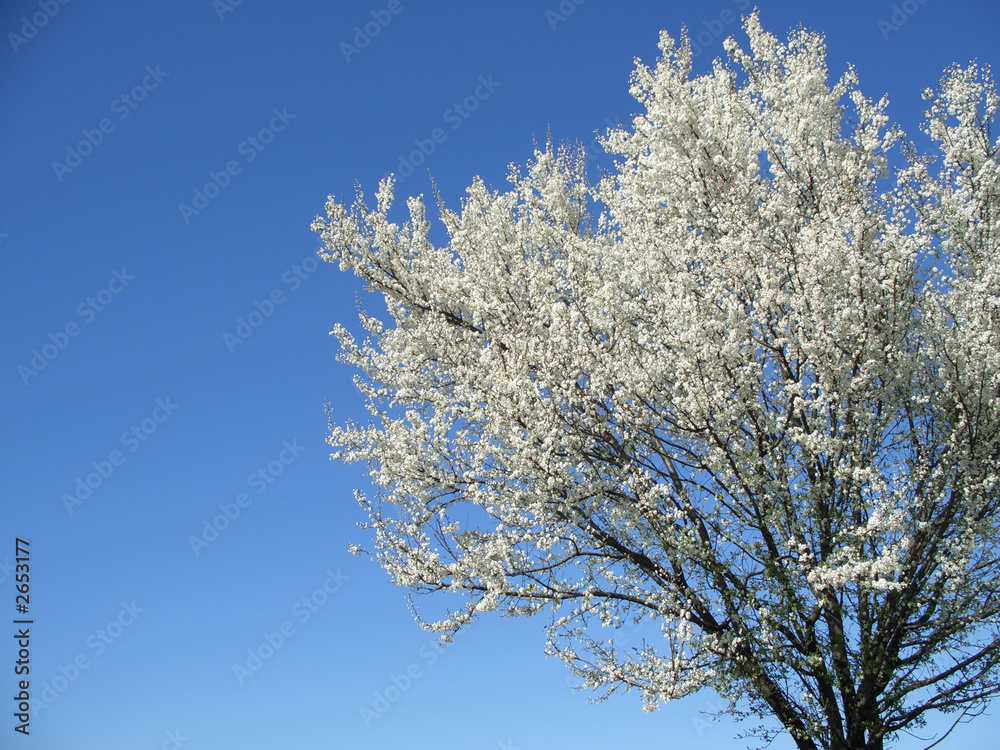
(161, 164)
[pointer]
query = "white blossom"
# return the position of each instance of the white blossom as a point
(746, 389)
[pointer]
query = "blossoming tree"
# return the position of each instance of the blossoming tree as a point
(746, 389)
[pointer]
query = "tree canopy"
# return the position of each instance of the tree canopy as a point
(746, 387)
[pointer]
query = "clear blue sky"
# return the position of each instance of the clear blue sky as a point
(131, 302)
